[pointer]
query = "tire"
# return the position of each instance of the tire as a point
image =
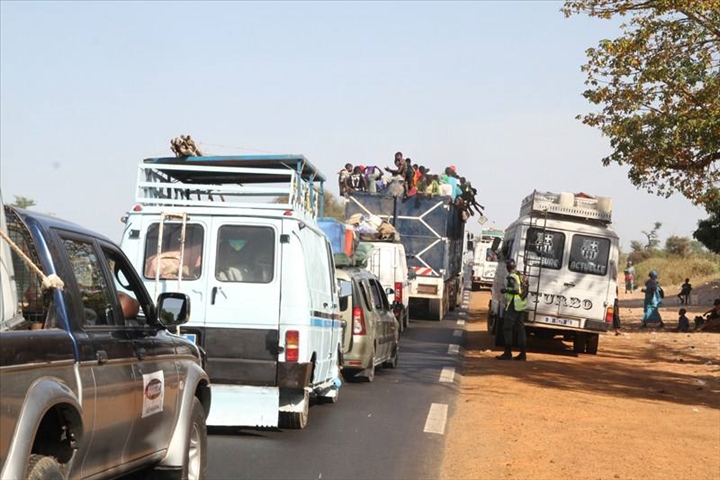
(196, 459)
(435, 309)
(42, 467)
(579, 342)
(392, 363)
(296, 420)
(592, 343)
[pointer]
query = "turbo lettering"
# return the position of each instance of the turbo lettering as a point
(560, 300)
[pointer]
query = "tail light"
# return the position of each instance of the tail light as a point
(398, 292)
(609, 313)
(358, 321)
(292, 345)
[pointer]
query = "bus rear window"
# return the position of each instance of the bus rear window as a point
(545, 247)
(589, 254)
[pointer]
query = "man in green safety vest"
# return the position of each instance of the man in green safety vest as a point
(514, 315)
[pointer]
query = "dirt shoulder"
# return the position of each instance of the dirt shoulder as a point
(647, 406)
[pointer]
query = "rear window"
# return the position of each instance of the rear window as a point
(168, 263)
(245, 254)
(545, 248)
(589, 254)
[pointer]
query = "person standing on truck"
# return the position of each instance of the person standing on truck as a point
(514, 315)
(653, 299)
(343, 176)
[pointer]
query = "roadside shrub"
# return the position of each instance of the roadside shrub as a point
(674, 270)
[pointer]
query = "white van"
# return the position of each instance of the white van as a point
(485, 259)
(388, 262)
(564, 245)
(260, 276)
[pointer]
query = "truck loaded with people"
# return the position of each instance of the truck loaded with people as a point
(567, 252)
(429, 214)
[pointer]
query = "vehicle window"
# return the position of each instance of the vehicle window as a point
(381, 302)
(170, 252)
(545, 247)
(96, 294)
(345, 290)
(365, 295)
(589, 254)
(490, 256)
(128, 289)
(377, 303)
(245, 254)
(506, 249)
(35, 305)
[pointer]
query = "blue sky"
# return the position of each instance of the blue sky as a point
(89, 89)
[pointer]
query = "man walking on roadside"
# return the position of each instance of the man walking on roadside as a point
(514, 315)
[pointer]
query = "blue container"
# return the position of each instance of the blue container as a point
(335, 231)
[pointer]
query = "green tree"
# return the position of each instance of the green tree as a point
(680, 246)
(658, 87)
(23, 202)
(708, 231)
(652, 237)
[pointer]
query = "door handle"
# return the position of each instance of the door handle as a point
(102, 356)
(213, 294)
(569, 284)
(140, 352)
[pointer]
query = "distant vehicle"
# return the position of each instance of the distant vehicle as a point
(92, 383)
(564, 245)
(485, 258)
(432, 233)
(388, 262)
(371, 335)
(260, 273)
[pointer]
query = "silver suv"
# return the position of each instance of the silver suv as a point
(92, 383)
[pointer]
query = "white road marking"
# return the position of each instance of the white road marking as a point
(461, 322)
(453, 349)
(457, 333)
(436, 419)
(447, 375)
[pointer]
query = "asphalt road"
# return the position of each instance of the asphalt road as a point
(376, 430)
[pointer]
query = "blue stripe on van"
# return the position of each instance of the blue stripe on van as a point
(321, 322)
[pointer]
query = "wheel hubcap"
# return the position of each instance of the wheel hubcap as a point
(194, 454)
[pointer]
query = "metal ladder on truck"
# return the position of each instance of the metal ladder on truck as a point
(533, 270)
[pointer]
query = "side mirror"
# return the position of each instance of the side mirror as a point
(389, 291)
(173, 309)
(412, 275)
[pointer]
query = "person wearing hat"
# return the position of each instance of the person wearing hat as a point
(653, 299)
(514, 314)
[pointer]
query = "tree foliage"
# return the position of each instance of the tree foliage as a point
(23, 202)
(658, 87)
(708, 231)
(653, 240)
(678, 246)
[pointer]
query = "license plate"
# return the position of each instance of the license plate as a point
(565, 322)
(190, 336)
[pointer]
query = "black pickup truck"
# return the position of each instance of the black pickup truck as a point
(93, 384)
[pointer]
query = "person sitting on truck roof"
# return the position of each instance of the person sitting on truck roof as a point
(410, 188)
(343, 175)
(356, 181)
(433, 186)
(373, 177)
